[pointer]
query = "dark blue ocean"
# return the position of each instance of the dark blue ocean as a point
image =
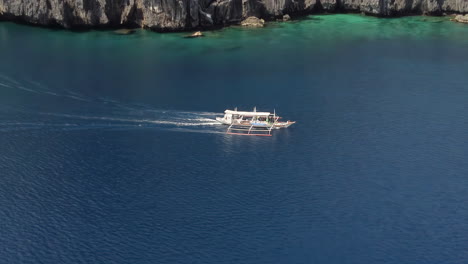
(109, 151)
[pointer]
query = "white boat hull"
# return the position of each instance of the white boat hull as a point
(277, 125)
(252, 123)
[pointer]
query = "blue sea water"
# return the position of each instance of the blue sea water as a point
(109, 152)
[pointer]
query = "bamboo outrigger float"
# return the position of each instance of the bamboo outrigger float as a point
(252, 123)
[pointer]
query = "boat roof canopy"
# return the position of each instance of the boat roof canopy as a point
(244, 113)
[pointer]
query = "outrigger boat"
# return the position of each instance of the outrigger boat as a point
(252, 123)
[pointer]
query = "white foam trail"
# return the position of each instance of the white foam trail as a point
(196, 131)
(182, 123)
(199, 113)
(24, 88)
(51, 93)
(135, 114)
(175, 122)
(18, 86)
(78, 98)
(39, 89)
(180, 112)
(4, 77)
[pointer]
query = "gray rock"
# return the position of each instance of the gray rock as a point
(454, 6)
(253, 22)
(330, 5)
(124, 31)
(461, 19)
(169, 15)
(197, 34)
(286, 17)
(225, 11)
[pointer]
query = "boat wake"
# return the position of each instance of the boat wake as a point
(173, 120)
(37, 88)
(107, 113)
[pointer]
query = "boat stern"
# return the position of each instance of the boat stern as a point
(222, 120)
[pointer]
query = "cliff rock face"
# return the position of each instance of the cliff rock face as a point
(405, 7)
(189, 14)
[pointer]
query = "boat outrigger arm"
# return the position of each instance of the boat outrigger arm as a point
(251, 131)
(252, 123)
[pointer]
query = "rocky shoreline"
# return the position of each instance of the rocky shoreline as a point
(187, 15)
(461, 19)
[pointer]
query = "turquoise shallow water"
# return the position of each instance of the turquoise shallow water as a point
(110, 153)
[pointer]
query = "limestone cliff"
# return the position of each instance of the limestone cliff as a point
(189, 14)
